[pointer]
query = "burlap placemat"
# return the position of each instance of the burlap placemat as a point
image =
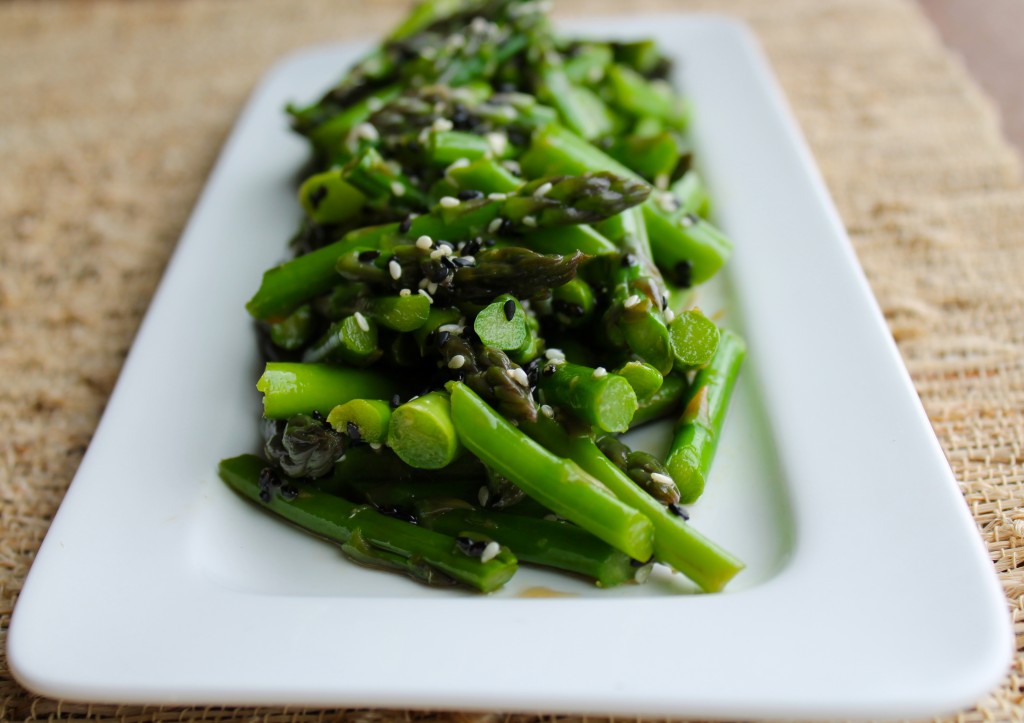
(112, 114)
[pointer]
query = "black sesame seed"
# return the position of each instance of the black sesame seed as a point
(265, 495)
(470, 194)
(449, 262)
(684, 274)
(317, 195)
(628, 260)
(443, 337)
(506, 227)
(405, 225)
(396, 401)
(640, 563)
(353, 431)
(550, 370)
(510, 309)
(461, 262)
(396, 513)
(369, 255)
(678, 511)
(471, 247)
(569, 309)
(268, 478)
(664, 301)
(473, 548)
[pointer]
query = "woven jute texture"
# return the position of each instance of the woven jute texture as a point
(113, 113)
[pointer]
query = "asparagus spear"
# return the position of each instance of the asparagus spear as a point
(558, 484)
(662, 403)
(541, 542)
(696, 437)
(641, 467)
(694, 340)
(364, 534)
(676, 239)
(364, 420)
(491, 374)
(675, 542)
(604, 400)
(292, 388)
(422, 433)
(302, 446)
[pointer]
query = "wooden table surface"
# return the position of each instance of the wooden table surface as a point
(989, 37)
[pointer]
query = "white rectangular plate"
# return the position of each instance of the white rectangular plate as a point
(868, 592)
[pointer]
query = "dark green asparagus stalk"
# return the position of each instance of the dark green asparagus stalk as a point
(595, 396)
(675, 543)
(520, 272)
(700, 426)
(558, 484)
(294, 331)
(381, 467)
(642, 467)
(690, 249)
(540, 542)
(491, 374)
(366, 535)
(292, 388)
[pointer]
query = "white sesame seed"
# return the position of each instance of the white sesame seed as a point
(367, 131)
(632, 301)
(662, 479)
(361, 321)
(424, 242)
(600, 372)
(519, 377)
(428, 53)
(530, 221)
(423, 283)
(436, 254)
(482, 495)
(498, 142)
(469, 259)
(497, 196)
(551, 518)
(432, 288)
(456, 362)
(490, 552)
(513, 167)
(405, 292)
(449, 202)
(666, 202)
(375, 445)
(397, 189)
(452, 328)
(494, 225)
(478, 24)
(542, 190)
(554, 353)
(423, 292)
(442, 125)
(661, 181)
(395, 269)
(670, 316)
(595, 74)
(460, 163)
(546, 410)
(374, 104)
(687, 220)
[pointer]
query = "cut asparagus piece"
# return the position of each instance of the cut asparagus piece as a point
(694, 340)
(604, 400)
(559, 484)
(422, 433)
(364, 420)
(425, 555)
(696, 438)
(675, 543)
(541, 542)
(291, 388)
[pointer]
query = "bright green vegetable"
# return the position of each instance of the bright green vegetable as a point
(700, 426)
(422, 432)
(291, 388)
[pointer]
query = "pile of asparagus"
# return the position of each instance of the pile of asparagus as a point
(491, 283)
